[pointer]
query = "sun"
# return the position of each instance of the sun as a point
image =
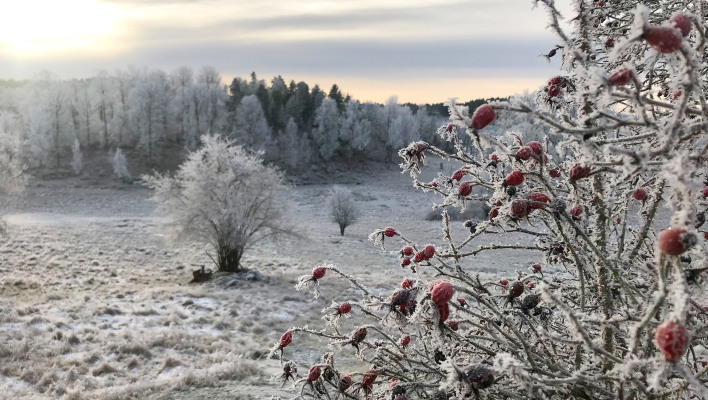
(50, 26)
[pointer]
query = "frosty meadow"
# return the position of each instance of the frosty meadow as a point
(564, 258)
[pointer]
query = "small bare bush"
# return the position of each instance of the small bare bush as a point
(343, 208)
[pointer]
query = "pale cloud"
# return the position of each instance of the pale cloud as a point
(483, 44)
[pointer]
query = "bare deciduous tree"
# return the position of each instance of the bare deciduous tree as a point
(344, 210)
(224, 196)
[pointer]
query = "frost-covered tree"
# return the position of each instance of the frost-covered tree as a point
(12, 172)
(215, 97)
(122, 131)
(77, 158)
(326, 129)
(294, 146)
(37, 136)
(401, 127)
(86, 108)
(120, 166)
(250, 125)
(102, 86)
(183, 81)
(149, 101)
(55, 104)
(355, 130)
(612, 303)
(342, 207)
(224, 196)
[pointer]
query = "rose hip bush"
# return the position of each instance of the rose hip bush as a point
(615, 208)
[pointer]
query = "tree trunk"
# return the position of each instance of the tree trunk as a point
(229, 259)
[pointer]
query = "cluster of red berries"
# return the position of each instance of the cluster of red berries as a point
(664, 39)
(531, 149)
(427, 253)
(553, 88)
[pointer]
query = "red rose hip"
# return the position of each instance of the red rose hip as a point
(441, 292)
(577, 172)
(675, 241)
(318, 272)
(554, 91)
(519, 208)
(555, 81)
(345, 383)
(369, 378)
(483, 116)
(554, 173)
(576, 211)
(429, 251)
(345, 307)
(454, 325)
(407, 251)
(663, 39)
(535, 146)
(516, 290)
(640, 194)
(672, 339)
(286, 339)
(535, 199)
(465, 189)
(314, 373)
(419, 257)
(681, 22)
(389, 232)
(524, 153)
(493, 213)
(621, 77)
(515, 178)
(359, 335)
(405, 340)
(406, 261)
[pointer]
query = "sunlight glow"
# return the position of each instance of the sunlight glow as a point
(40, 26)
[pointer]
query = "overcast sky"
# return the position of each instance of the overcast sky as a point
(422, 51)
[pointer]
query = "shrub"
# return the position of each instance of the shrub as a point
(224, 196)
(120, 166)
(344, 210)
(612, 307)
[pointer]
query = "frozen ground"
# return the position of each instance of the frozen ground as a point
(94, 303)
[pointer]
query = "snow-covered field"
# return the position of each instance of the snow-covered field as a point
(95, 302)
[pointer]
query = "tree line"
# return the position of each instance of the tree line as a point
(155, 113)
